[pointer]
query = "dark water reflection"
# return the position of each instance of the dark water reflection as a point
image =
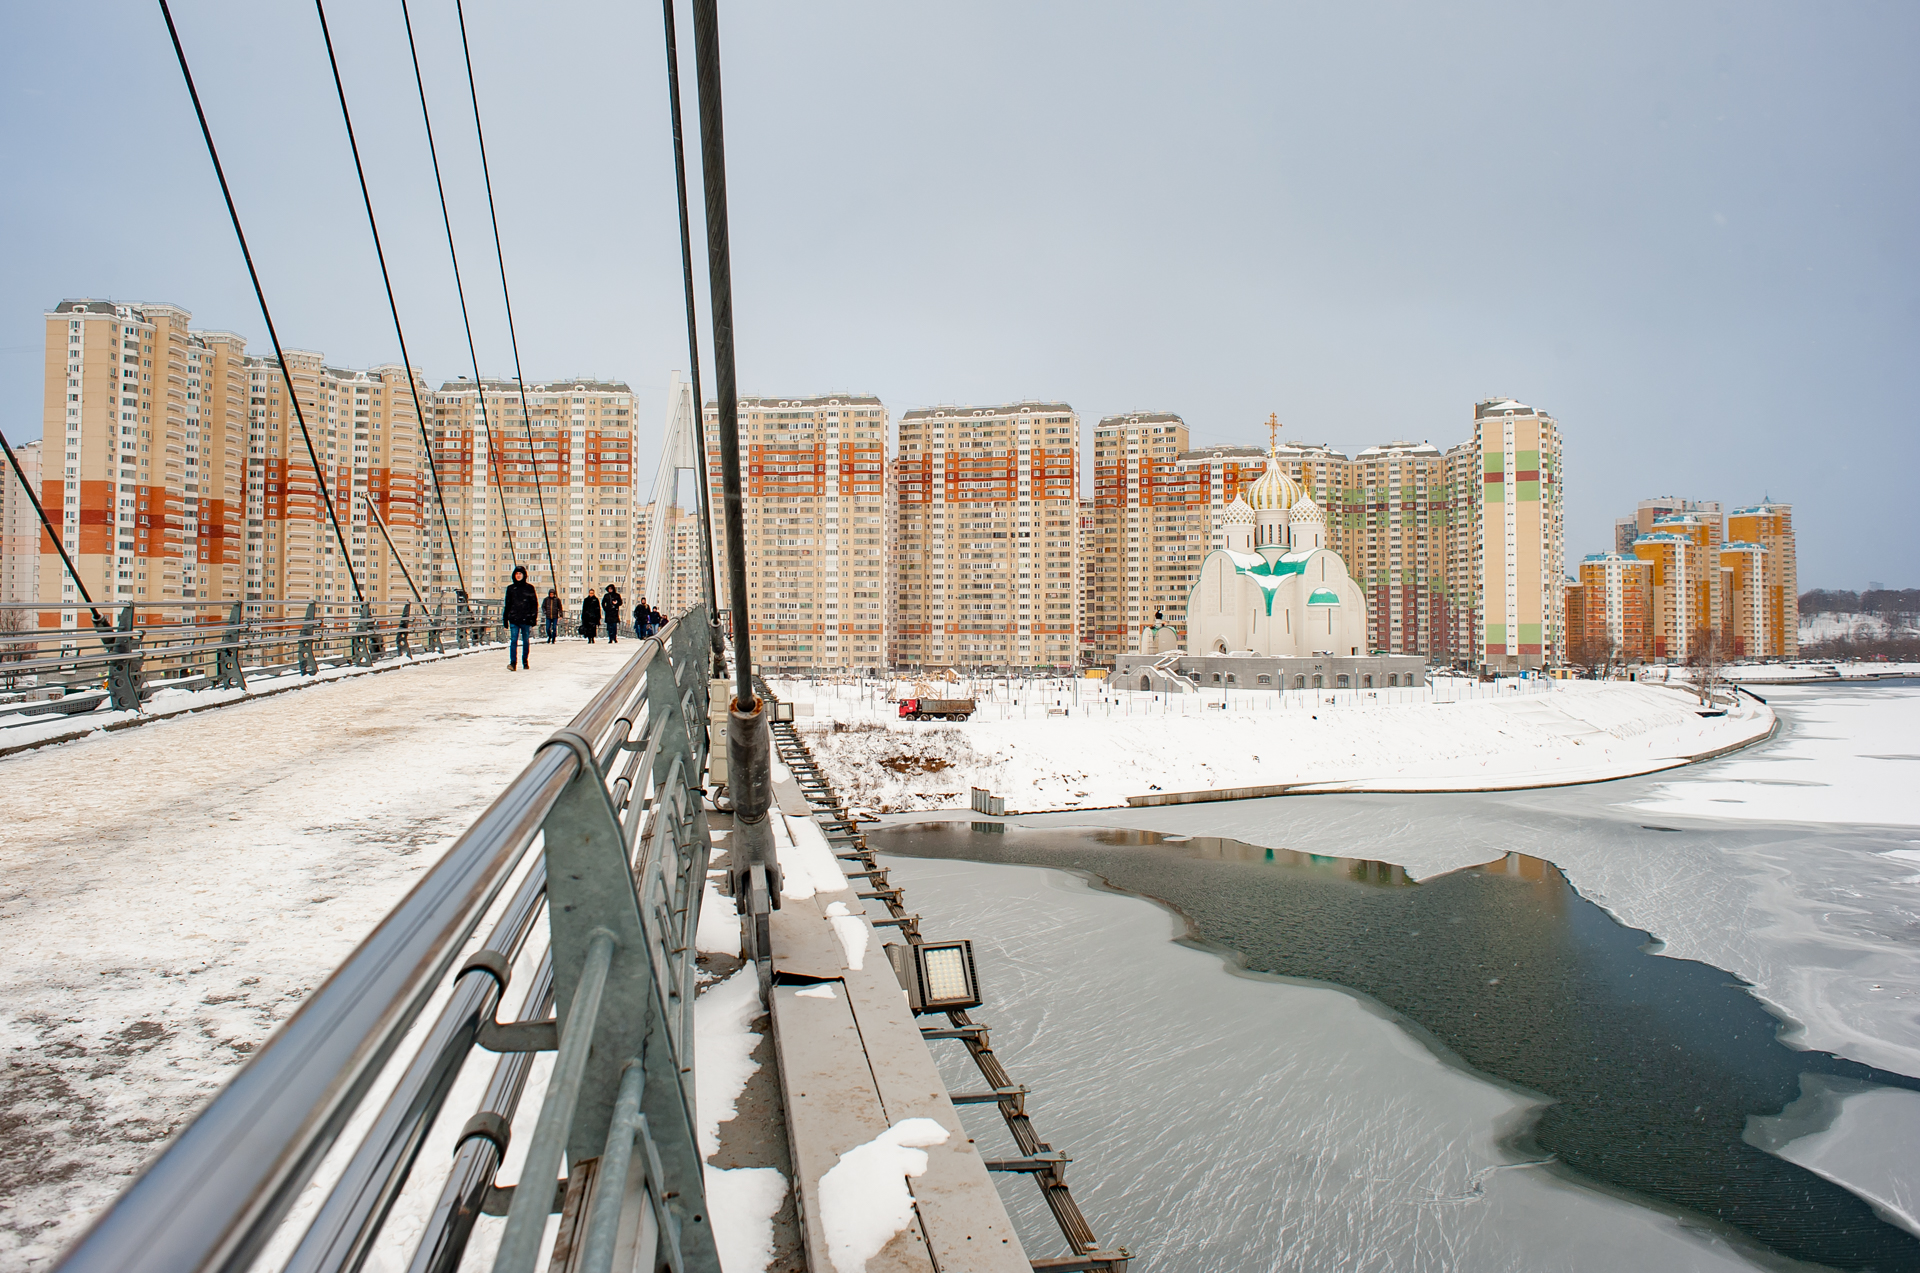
(1653, 1065)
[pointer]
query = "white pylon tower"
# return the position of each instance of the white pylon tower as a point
(676, 454)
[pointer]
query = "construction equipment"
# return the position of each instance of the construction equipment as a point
(936, 708)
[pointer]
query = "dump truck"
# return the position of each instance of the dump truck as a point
(935, 708)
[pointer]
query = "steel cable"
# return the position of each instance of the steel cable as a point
(693, 328)
(393, 306)
(466, 322)
(506, 296)
(260, 295)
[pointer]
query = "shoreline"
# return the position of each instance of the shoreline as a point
(1139, 755)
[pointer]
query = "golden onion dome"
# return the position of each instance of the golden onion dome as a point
(1274, 490)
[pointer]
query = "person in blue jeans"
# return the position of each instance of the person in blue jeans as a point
(521, 610)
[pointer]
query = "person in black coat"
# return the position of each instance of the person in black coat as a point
(520, 610)
(610, 606)
(550, 611)
(590, 617)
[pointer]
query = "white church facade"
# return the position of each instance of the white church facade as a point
(1275, 607)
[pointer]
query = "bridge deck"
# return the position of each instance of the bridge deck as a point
(170, 892)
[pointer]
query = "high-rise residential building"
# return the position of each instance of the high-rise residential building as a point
(148, 487)
(987, 535)
(1226, 471)
(1521, 535)
(1616, 620)
(550, 485)
(819, 529)
(1745, 621)
(1770, 525)
(365, 431)
(683, 584)
(1681, 584)
(1086, 582)
(1463, 474)
(21, 535)
(1152, 526)
(1395, 545)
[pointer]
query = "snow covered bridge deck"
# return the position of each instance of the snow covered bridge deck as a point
(172, 892)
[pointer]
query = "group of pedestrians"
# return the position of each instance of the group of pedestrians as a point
(524, 608)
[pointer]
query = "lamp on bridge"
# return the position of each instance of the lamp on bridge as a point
(937, 976)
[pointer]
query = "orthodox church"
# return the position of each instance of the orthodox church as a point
(1276, 589)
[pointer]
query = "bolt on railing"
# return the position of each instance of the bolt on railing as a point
(614, 801)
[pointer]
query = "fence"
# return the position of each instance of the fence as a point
(613, 799)
(118, 656)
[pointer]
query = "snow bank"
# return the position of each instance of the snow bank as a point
(864, 1199)
(743, 1202)
(723, 1051)
(1128, 744)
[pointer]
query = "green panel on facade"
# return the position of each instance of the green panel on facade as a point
(1496, 462)
(1496, 634)
(1526, 492)
(1529, 634)
(1524, 460)
(1496, 493)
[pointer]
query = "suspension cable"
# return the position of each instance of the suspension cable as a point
(713, 167)
(500, 254)
(393, 306)
(693, 331)
(260, 295)
(58, 547)
(459, 287)
(398, 560)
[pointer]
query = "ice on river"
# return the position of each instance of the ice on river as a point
(1846, 754)
(1282, 1125)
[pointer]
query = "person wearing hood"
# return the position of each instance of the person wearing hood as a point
(521, 611)
(610, 606)
(550, 611)
(590, 617)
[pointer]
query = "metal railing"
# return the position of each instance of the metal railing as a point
(118, 656)
(614, 801)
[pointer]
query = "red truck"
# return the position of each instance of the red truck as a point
(935, 708)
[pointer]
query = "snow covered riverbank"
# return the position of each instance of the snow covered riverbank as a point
(1461, 737)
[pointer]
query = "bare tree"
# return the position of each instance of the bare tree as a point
(1705, 656)
(13, 649)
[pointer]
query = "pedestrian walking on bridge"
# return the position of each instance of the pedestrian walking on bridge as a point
(610, 606)
(550, 611)
(590, 617)
(521, 610)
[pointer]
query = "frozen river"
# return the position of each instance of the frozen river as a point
(1444, 1067)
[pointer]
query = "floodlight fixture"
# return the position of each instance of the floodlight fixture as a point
(937, 976)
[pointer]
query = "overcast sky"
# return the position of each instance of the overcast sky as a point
(1686, 230)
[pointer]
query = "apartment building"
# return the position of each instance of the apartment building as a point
(147, 485)
(1520, 534)
(1225, 471)
(21, 537)
(682, 584)
(987, 540)
(1395, 541)
(545, 477)
(1744, 621)
(1616, 611)
(1681, 583)
(819, 525)
(365, 431)
(1152, 527)
(1770, 526)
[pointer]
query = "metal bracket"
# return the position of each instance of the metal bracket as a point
(500, 1198)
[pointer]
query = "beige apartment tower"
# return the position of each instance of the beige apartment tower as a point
(548, 483)
(21, 536)
(1152, 527)
(144, 456)
(1521, 536)
(1774, 574)
(988, 536)
(818, 522)
(365, 428)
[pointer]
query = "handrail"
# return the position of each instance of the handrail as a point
(215, 1197)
